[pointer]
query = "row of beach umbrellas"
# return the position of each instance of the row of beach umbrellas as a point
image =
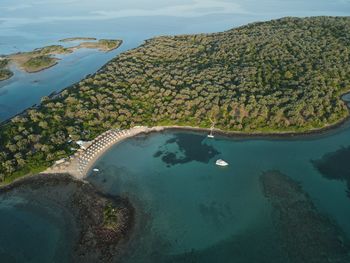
(98, 144)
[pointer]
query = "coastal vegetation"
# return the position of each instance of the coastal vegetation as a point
(102, 44)
(39, 63)
(70, 39)
(280, 76)
(110, 214)
(5, 73)
(43, 58)
(38, 59)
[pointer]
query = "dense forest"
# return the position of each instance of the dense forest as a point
(285, 75)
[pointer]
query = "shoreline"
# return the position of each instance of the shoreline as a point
(262, 135)
(37, 70)
(20, 58)
(72, 164)
(72, 39)
(7, 77)
(97, 237)
(79, 166)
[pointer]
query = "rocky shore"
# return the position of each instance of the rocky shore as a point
(102, 222)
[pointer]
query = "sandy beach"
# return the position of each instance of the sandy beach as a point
(80, 164)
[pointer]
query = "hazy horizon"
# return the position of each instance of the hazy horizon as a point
(19, 13)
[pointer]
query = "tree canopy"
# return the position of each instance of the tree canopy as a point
(285, 75)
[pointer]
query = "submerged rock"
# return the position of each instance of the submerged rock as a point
(100, 222)
(305, 234)
(335, 165)
(184, 148)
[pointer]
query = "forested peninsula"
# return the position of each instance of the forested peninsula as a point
(281, 76)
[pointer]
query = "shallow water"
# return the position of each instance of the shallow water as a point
(190, 210)
(26, 89)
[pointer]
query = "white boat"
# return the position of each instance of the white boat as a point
(221, 162)
(210, 135)
(96, 170)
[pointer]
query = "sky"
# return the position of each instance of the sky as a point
(14, 13)
(26, 24)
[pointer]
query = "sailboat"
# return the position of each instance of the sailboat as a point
(210, 135)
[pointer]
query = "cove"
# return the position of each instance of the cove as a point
(190, 210)
(187, 209)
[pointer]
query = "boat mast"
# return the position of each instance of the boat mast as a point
(212, 127)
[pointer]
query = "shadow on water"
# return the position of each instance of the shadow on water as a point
(335, 165)
(191, 147)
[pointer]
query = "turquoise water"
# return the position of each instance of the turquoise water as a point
(187, 208)
(190, 210)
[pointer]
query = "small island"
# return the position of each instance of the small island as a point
(38, 59)
(44, 58)
(102, 44)
(71, 39)
(5, 73)
(39, 63)
(90, 42)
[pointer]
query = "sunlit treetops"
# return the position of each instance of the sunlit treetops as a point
(285, 75)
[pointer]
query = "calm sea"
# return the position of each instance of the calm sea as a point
(187, 207)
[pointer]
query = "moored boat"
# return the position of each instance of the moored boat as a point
(221, 162)
(210, 135)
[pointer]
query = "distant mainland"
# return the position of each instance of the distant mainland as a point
(44, 58)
